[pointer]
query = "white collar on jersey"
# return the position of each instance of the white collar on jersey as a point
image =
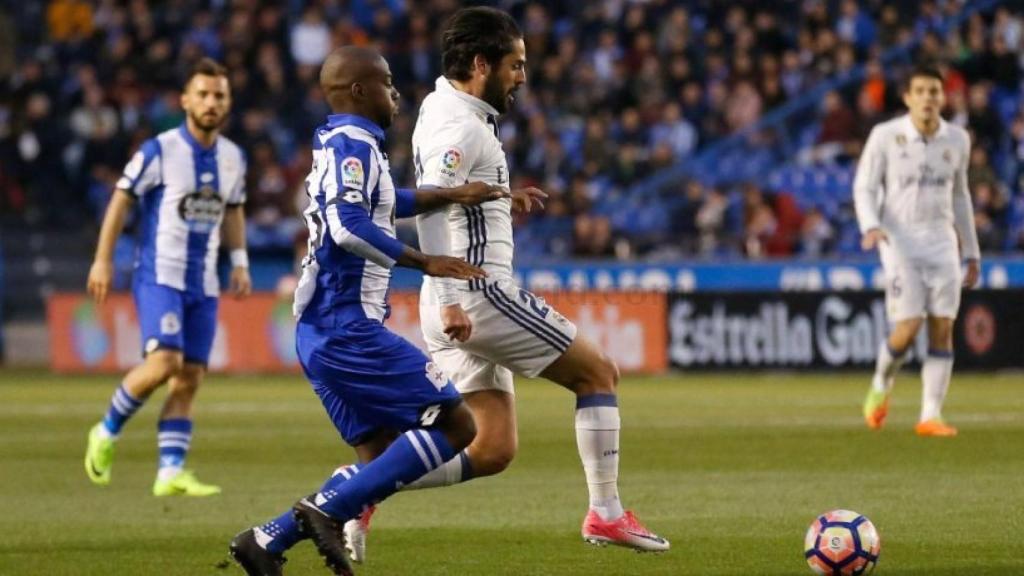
(908, 128)
(443, 85)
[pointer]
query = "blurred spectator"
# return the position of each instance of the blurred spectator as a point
(855, 26)
(759, 223)
(685, 218)
(675, 132)
(979, 171)
(838, 132)
(1005, 64)
(990, 213)
(816, 234)
(617, 90)
(711, 222)
(743, 106)
(69, 20)
(981, 118)
(1007, 27)
(311, 38)
(1017, 142)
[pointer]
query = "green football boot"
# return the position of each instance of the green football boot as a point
(99, 456)
(184, 483)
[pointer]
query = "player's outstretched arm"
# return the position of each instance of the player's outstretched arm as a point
(359, 235)
(101, 274)
(442, 266)
(410, 202)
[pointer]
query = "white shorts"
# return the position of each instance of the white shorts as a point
(923, 286)
(514, 331)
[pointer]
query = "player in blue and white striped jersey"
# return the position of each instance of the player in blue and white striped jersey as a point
(187, 182)
(378, 389)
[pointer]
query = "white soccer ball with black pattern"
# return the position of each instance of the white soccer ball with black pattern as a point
(842, 543)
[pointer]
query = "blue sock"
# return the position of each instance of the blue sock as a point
(283, 532)
(174, 436)
(122, 406)
(412, 455)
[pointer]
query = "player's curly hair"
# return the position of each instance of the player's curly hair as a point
(478, 30)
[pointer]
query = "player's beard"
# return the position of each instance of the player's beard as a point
(495, 94)
(207, 123)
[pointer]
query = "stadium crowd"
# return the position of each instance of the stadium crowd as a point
(617, 90)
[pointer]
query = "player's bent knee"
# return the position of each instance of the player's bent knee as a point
(491, 462)
(184, 385)
(602, 378)
(165, 363)
(457, 424)
(612, 371)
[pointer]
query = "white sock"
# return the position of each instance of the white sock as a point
(454, 471)
(886, 367)
(936, 371)
(597, 438)
(105, 433)
(168, 472)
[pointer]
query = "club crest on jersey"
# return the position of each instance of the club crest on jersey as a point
(169, 323)
(352, 172)
(947, 155)
(901, 140)
(450, 161)
(436, 376)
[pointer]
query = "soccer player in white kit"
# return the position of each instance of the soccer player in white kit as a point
(913, 204)
(480, 332)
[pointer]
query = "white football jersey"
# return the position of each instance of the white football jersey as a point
(455, 142)
(915, 188)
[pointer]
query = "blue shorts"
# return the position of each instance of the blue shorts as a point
(370, 379)
(173, 319)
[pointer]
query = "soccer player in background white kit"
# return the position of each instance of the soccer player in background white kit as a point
(913, 204)
(480, 332)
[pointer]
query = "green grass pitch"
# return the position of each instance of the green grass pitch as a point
(731, 468)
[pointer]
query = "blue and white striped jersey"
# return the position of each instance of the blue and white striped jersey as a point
(351, 220)
(182, 189)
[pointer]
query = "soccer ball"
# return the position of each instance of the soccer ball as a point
(842, 543)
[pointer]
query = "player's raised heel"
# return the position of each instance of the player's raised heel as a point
(356, 530)
(253, 558)
(876, 408)
(99, 456)
(625, 531)
(327, 534)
